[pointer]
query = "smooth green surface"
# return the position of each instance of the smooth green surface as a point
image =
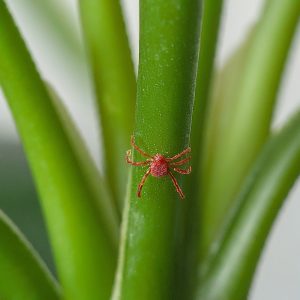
(238, 248)
(114, 83)
(211, 17)
(223, 98)
(83, 248)
(21, 204)
(169, 36)
(22, 273)
(247, 124)
(93, 179)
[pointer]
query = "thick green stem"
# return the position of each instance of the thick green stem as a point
(23, 275)
(245, 128)
(115, 85)
(79, 229)
(169, 38)
(237, 251)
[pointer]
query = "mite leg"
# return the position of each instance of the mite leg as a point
(187, 171)
(138, 148)
(181, 162)
(185, 151)
(129, 161)
(142, 183)
(178, 189)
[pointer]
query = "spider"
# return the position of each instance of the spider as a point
(159, 166)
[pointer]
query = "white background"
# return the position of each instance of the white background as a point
(278, 274)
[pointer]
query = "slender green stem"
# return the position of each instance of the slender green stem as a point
(238, 249)
(23, 275)
(208, 43)
(84, 249)
(240, 138)
(115, 85)
(169, 37)
(211, 17)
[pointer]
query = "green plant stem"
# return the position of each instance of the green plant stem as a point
(169, 36)
(115, 85)
(20, 264)
(211, 17)
(238, 248)
(84, 250)
(227, 160)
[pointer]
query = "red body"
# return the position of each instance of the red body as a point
(159, 166)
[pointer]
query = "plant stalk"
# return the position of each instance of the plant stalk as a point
(169, 45)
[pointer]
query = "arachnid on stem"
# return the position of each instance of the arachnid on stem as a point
(159, 166)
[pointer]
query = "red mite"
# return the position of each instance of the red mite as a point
(160, 165)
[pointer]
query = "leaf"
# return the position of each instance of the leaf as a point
(169, 37)
(23, 275)
(234, 255)
(114, 84)
(84, 250)
(239, 123)
(96, 184)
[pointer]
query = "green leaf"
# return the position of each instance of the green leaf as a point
(239, 122)
(234, 255)
(96, 184)
(169, 35)
(223, 99)
(23, 275)
(84, 249)
(115, 85)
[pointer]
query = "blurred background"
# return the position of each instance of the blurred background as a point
(51, 29)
